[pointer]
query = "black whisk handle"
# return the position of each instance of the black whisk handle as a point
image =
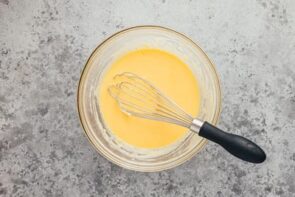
(234, 144)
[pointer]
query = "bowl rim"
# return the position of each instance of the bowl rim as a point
(216, 115)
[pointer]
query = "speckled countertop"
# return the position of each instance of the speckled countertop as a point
(43, 48)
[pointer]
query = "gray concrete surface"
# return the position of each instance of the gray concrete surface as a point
(43, 48)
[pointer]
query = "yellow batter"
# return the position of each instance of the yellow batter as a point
(171, 76)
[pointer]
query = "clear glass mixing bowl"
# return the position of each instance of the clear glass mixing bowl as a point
(101, 137)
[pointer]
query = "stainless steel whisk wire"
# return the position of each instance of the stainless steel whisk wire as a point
(146, 101)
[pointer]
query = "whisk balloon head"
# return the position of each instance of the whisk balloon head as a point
(138, 97)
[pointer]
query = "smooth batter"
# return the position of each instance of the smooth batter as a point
(169, 74)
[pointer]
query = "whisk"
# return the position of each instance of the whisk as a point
(137, 97)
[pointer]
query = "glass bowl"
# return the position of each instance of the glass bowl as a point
(104, 55)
